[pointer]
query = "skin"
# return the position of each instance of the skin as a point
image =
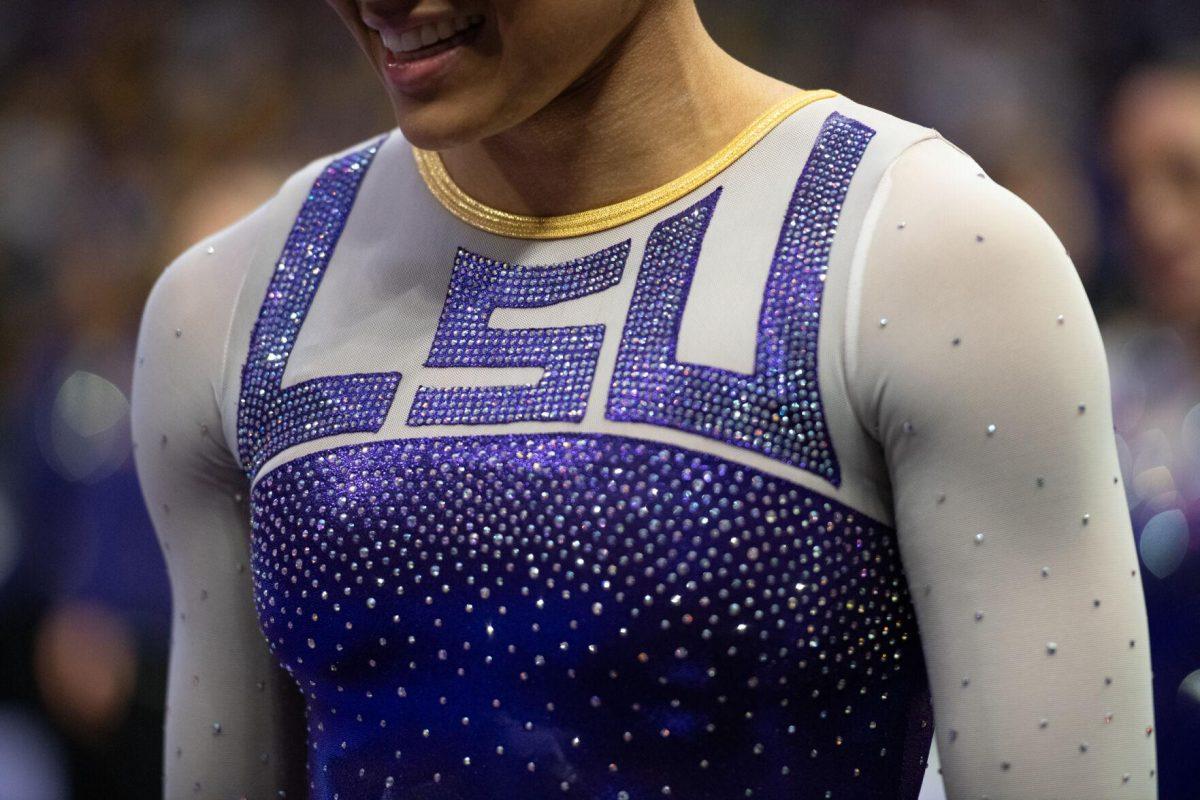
(532, 119)
(1155, 151)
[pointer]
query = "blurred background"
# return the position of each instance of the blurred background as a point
(130, 129)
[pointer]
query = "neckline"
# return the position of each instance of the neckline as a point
(525, 226)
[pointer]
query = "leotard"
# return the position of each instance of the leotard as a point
(731, 490)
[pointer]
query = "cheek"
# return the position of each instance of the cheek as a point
(549, 44)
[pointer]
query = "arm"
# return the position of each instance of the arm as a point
(988, 391)
(234, 725)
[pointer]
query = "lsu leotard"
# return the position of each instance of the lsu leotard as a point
(715, 493)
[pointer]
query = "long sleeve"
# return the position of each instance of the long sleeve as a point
(234, 725)
(974, 359)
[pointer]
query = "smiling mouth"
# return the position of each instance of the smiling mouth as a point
(429, 39)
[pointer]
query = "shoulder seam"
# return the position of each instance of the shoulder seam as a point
(219, 393)
(851, 316)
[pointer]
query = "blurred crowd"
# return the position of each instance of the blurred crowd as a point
(129, 129)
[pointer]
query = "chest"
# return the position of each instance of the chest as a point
(571, 542)
(458, 607)
(770, 403)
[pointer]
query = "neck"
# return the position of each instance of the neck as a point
(661, 101)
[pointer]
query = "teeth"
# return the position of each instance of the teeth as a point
(427, 34)
(409, 40)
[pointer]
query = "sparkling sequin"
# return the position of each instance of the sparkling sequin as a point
(591, 610)
(478, 286)
(272, 418)
(777, 411)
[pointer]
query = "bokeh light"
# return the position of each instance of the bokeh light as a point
(88, 431)
(1164, 542)
(31, 759)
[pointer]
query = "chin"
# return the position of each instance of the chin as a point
(426, 137)
(435, 131)
(443, 122)
(461, 117)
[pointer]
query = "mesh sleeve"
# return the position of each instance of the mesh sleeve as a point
(234, 724)
(979, 369)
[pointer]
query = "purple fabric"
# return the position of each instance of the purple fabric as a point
(590, 616)
(272, 418)
(478, 286)
(777, 411)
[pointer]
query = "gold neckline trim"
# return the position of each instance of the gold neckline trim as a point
(524, 226)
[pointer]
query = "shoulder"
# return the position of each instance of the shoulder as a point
(204, 281)
(181, 366)
(931, 205)
(925, 222)
(941, 218)
(192, 304)
(898, 165)
(949, 256)
(918, 170)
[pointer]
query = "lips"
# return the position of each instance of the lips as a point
(417, 53)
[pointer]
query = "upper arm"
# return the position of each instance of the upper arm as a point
(980, 370)
(232, 727)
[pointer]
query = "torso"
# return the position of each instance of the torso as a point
(585, 516)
